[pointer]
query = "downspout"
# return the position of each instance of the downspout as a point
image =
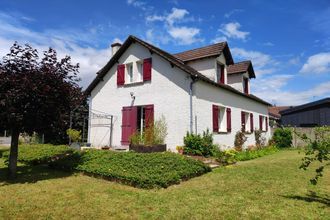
(193, 80)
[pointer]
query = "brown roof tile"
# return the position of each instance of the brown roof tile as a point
(170, 58)
(241, 67)
(203, 52)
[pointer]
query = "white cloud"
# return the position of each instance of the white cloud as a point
(318, 63)
(176, 15)
(184, 35)
(271, 89)
(138, 4)
(227, 15)
(218, 39)
(268, 44)
(262, 63)
(65, 42)
(231, 30)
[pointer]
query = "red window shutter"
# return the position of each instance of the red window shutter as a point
(147, 63)
(251, 123)
(149, 115)
(120, 74)
(243, 120)
(215, 114)
(266, 123)
(222, 74)
(260, 122)
(129, 123)
(228, 120)
(246, 85)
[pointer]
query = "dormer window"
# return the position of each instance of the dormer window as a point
(220, 74)
(246, 85)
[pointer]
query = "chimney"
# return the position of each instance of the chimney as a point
(115, 47)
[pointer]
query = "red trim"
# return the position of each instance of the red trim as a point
(149, 115)
(260, 122)
(246, 85)
(228, 120)
(215, 113)
(120, 74)
(147, 63)
(243, 121)
(129, 123)
(266, 123)
(251, 123)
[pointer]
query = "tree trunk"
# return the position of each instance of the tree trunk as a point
(13, 154)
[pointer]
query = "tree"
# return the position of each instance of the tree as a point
(317, 150)
(36, 95)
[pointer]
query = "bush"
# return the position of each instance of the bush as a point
(195, 144)
(240, 139)
(154, 134)
(282, 137)
(136, 169)
(252, 154)
(260, 140)
(40, 154)
(74, 135)
(226, 157)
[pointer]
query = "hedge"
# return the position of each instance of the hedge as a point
(252, 154)
(136, 169)
(40, 153)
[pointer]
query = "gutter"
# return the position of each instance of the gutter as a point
(193, 80)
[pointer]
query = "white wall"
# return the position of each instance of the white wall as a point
(205, 96)
(207, 66)
(168, 92)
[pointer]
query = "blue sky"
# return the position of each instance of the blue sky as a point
(287, 41)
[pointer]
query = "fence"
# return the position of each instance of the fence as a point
(296, 140)
(5, 141)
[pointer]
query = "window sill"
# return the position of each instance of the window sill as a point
(222, 132)
(133, 83)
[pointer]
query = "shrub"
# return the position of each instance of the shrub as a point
(282, 137)
(240, 139)
(196, 144)
(252, 154)
(317, 150)
(136, 169)
(154, 134)
(74, 135)
(260, 140)
(226, 157)
(40, 154)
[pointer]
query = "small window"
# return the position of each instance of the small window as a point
(129, 68)
(263, 123)
(246, 85)
(247, 122)
(220, 76)
(222, 119)
(139, 76)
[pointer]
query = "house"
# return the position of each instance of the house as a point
(275, 116)
(308, 115)
(194, 90)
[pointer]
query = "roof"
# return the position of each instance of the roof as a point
(306, 106)
(275, 110)
(172, 60)
(205, 52)
(241, 67)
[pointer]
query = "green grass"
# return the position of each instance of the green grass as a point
(270, 187)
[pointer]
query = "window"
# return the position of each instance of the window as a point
(139, 76)
(129, 68)
(221, 119)
(247, 122)
(246, 85)
(220, 77)
(135, 118)
(263, 123)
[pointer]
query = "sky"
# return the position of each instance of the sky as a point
(287, 41)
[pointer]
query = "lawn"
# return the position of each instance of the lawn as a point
(271, 187)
